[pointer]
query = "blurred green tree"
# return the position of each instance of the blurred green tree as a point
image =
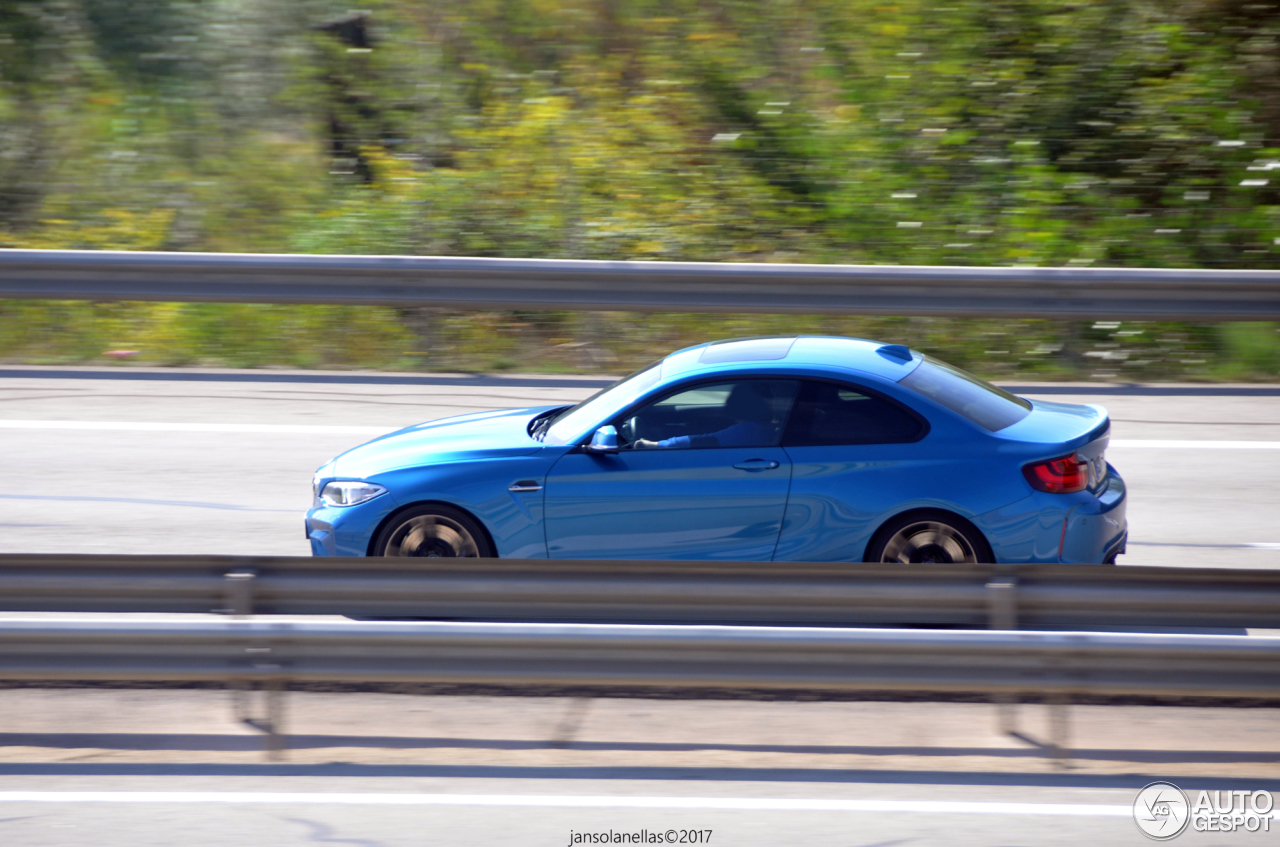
(1040, 132)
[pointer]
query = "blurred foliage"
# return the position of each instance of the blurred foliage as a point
(1005, 132)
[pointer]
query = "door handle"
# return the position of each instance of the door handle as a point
(756, 465)
(525, 485)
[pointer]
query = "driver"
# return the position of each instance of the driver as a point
(754, 427)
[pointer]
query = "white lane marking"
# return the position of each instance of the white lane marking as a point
(1264, 545)
(152, 426)
(1194, 445)
(950, 807)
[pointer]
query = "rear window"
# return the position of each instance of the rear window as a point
(963, 393)
(828, 414)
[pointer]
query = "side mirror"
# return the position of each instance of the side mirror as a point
(605, 440)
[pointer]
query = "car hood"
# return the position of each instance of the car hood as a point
(486, 435)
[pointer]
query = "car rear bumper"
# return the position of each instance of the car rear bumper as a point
(1095, 530)
(1083, 528)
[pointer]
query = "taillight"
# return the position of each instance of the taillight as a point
(1065, 475)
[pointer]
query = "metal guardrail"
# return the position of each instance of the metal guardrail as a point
(1123, 293)
(245, 654)
(702, 657)
(551, 590)
(1003, 664)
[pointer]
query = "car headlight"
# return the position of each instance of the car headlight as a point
(322, 473)
(349, 492)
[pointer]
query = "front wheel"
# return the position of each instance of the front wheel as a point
(433, 532)
(928, 538)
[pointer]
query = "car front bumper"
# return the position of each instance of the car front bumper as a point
(346, 530)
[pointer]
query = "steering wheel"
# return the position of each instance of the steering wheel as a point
(627, 430)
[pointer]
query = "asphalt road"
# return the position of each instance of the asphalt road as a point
(210, 462)
(129, 461)
(221, 809)
(169, 767)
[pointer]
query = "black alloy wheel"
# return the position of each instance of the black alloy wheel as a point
(928, 538)
(433, 532)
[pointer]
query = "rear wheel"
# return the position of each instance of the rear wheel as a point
(928, 537)
(433, 532)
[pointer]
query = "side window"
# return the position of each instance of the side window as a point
(830, 414)
(738, 413)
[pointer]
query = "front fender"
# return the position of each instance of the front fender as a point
(482, 487)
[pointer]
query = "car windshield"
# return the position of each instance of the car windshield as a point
(601, 406)
(965, 394)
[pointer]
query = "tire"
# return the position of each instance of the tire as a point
(928, 537)
(435, 531)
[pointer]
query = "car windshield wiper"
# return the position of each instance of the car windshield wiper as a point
(538, 429)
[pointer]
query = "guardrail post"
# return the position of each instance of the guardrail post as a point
(271, 724)
(1002, 613)
(1002, 603)
(238, 602)
(274, 724)
(571, 722)
(1060, 730)
(239, 592)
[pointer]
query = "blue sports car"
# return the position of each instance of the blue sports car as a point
(794, 449)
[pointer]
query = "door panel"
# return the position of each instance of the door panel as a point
(855, 455)
(667, 504)
(839, 495)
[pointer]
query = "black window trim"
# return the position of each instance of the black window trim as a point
(926, 426)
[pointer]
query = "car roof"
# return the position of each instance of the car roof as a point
(887, 361)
